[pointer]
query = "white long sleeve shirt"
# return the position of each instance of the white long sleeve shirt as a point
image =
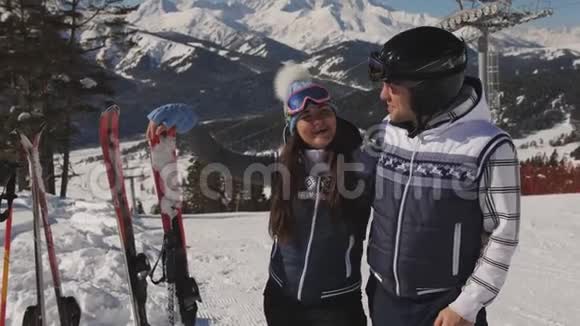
(500, 203)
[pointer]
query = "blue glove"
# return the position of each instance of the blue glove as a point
(178, 115)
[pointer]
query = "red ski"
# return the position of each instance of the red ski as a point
(137, 265)
(69, 310)
(175, 268)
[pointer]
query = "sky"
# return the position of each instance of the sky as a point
(566, 12)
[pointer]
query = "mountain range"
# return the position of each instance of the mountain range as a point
(221, 56)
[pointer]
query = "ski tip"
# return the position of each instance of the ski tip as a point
(24, 140)
(112, 108)
(43, 127)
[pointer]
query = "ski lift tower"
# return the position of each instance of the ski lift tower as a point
(480, 19)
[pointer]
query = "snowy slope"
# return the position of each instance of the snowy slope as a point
(541, 142)
(215, 24)
(563, 37)
(230, 263)
(546, 53)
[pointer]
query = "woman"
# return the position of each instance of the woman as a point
(319, 208)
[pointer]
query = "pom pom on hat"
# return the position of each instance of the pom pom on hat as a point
(290, 78)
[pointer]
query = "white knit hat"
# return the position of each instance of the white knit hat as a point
(290, 78)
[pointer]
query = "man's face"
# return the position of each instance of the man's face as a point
(398, 100)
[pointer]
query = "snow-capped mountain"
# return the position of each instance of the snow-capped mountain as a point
(221, 55)
(333, 36)
(158, 57)
(308, 25)
(217, 24)
(321, 31)
(555, 38)
(311, 25)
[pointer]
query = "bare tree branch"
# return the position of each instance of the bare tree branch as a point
(93, 49)
(97, 12)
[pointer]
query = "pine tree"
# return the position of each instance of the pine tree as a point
(553, 159)
(45, 70)
(257, 200)
(576, 153)
(139, 209)
(216, 184)
(155, 209)
(237, 198)
(192, 195)
(194, 200)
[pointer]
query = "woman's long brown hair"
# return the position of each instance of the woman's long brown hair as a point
(281, 214)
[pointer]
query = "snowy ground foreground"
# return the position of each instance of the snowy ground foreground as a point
(228, 254)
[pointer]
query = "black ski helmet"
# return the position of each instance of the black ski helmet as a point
(431, 58)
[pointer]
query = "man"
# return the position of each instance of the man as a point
(446, 211)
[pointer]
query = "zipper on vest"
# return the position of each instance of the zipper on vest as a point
(456, 248)
(347, 256)
(275, 247)
(400, 222)
(312, 228)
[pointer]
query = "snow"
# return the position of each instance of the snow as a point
(253, 26)
(559, 37)
(163, 161)
(228, 254)
(63, 77)
(543, 279)
(291, 23)
(159, 50)
(544, 53)
(5, 15)
(543, 138)
(88, 82)
(200, 23)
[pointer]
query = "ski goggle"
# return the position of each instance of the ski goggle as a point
(298, 99)
(379, 71)
(441, 67)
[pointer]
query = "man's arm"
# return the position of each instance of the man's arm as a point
(500, 203)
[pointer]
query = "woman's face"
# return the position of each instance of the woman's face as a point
(317, 126)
